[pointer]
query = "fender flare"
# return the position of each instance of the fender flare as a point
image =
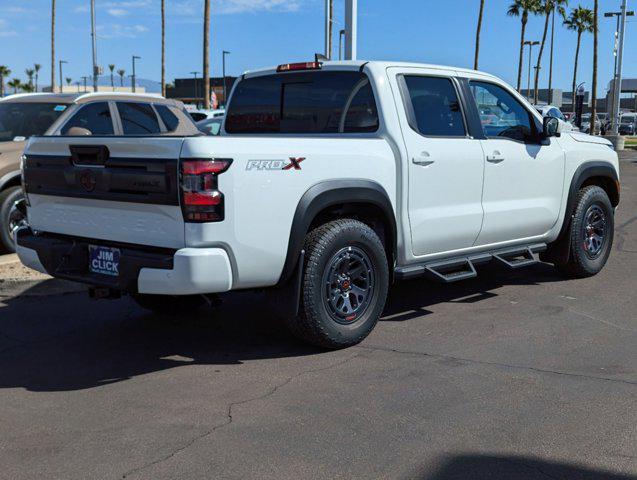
(329, 193)
(559, 250)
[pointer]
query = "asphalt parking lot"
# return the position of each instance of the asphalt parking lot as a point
(513, 375)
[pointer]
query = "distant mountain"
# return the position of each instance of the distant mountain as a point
(151, 86)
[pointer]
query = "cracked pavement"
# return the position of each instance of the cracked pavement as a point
(513, 375)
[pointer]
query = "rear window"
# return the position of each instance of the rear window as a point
(138, 118)
(169, 118)
(303, 103)
(94, 117)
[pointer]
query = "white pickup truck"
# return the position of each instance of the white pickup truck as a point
(330, 182)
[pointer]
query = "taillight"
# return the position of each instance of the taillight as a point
(201, 200)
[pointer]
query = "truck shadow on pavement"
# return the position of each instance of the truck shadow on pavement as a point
(495, 467)
(69, 342)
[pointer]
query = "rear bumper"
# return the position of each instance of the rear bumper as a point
(188, 271)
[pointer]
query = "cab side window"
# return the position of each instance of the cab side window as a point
(168, 117)
(501, 114)
(433, 106)
(94, 117)
(138, 118)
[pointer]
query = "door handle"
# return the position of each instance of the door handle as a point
(422, 163)
(497, 157)
(424, 160)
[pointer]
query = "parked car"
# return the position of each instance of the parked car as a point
(586, 124)
(211, 126)
(26, 115)
(199, 115)
(628, 124)
(330, 181)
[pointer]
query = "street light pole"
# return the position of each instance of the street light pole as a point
(351, 29)
(94, 42)
(619, 58)
(84, 79)
(196, 89)
(328, 28)
(528, 84)
(341, 34)
(61, 62)
(550, 96)
(225, 93)
(134, 76)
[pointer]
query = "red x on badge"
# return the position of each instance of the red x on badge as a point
(294, 163)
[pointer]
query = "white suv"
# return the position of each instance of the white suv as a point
(330, 181)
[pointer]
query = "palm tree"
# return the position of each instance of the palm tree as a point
(29, 73)
(206, 54)
(163, 48)
(475, 61)
(547, 7)
(69, 80)
(594, 86)
(580, 20)
(52, 45)
(121, 74)
(522, 9)
(4, 72)
(37, 68)
(111, 67)
(15, 84)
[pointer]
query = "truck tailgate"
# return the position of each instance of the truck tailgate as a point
(122, 189)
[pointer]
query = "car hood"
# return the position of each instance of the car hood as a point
(586, 138)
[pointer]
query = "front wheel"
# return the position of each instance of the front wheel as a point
(12, 216)
(591, 234)
(344, 286)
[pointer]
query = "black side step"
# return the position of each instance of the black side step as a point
(453, 271)
(462, 268)
(516, 258)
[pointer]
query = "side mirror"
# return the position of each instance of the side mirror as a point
(552, 127)
(78, 132)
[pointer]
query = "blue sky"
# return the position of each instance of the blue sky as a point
(268, 32)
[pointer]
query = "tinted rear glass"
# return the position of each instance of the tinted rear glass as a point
(27, 119)
(303, 103)
(169, 118)
(94, 117)
(138, 118)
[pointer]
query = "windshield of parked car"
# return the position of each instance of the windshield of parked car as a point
(27, 119)
(627, 120)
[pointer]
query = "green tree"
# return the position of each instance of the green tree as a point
(121, 74)
(4, 73)
(37, 68)
(111, 67)
(15, 84)
(547, 8)
(522, 9)
(69, 80)
(30, 73)
(580, 20)
(478, 30)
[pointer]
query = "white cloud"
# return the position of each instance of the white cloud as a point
(117, 12)
(4, 29)
(116, 30)
(227, 7)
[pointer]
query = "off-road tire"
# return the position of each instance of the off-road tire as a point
(7, 198)
(169, 304)
(580, 264)
(315, 324)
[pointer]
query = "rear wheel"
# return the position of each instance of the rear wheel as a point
(12, 216)
(169, 304)
(591, 234)
(344, 284)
